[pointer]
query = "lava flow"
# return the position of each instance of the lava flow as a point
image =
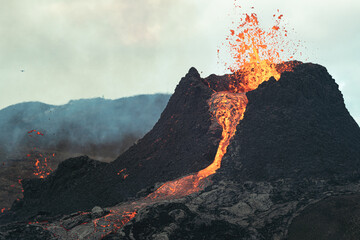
(228, 109)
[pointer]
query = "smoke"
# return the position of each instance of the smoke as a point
(96, 127)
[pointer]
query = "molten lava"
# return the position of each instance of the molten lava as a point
(256, 53)
(253, 53)
(228, 109)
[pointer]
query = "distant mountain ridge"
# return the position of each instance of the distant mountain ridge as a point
(81, 125)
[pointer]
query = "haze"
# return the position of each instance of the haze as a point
(55, 51)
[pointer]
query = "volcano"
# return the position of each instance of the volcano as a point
(249, 155)
(296, 145)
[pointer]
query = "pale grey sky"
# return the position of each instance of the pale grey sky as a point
(73, 49)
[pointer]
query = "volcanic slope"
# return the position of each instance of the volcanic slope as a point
(183, 141)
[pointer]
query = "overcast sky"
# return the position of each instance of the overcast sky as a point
(71, 49)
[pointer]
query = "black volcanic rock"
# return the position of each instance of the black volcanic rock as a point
(178, 221)
(24, 231)
(183, 141)
(297, 127)
(333, 218)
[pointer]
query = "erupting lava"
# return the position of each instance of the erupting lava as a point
(254, 52)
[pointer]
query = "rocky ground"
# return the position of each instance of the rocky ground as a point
(311, 209)
(252, 210)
